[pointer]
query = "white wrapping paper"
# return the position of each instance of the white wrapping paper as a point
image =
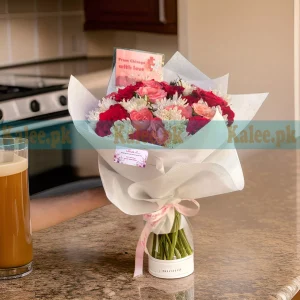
(191, 170)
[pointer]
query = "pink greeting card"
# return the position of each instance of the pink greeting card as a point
(131, 157)
(132, 66)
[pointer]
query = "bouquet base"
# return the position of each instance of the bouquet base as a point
(171, 269)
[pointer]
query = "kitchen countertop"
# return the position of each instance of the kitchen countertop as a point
(245, 247)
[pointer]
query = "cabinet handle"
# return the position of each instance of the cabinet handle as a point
(162, 12)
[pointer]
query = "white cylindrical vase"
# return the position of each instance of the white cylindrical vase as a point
(171, 269)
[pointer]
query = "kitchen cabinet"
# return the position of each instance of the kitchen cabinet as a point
(159, 16)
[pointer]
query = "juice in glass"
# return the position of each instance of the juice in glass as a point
(15, 226)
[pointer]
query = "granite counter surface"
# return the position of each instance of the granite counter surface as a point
(245, 247)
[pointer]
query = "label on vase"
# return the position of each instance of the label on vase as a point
(131, 157)
(171, 269)
(133, 66)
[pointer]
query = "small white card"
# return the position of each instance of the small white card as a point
(131, 157)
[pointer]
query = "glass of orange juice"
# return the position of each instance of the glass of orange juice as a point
(15, 226)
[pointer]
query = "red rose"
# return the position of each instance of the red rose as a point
(172, 89)
(114, 113)
(195, 124)
(191, 99)
(128, 92)
(210, 98)
(103, 128)
(230, 114)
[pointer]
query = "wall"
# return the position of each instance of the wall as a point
(102, 42)
(253, 40)
(297, 63)
(32, 30)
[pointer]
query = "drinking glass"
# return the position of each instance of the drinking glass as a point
(15, 225)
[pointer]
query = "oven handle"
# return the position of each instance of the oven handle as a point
(36, 125)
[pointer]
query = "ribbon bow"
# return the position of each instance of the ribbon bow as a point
(153, 220)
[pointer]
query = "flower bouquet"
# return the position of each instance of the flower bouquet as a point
(161, 145)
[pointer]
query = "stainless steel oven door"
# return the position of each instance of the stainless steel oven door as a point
(50, 163)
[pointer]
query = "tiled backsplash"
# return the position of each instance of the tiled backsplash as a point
(32, 30)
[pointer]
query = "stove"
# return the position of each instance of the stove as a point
(39, 91)
(36, 98)
(34, 105)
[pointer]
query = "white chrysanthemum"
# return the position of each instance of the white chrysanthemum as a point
(201, 101)
(105, 104)
(169, 114)
(167, 102)
(135, 104)
(188, 89)
(226, 97)
(93, 115)
(176, 97)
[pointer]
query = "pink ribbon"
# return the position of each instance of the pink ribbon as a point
(151, 221)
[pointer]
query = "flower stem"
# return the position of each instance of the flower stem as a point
(177, 253)
(174, 234)
(171, 246)
(154, 246)
(185, 242)
(168, 240)
(181, 247)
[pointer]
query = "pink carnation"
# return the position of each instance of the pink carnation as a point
(202, 109)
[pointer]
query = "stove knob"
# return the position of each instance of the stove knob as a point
(63, 100)
(34, 106)
(1, 115)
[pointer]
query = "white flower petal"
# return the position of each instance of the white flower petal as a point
(136, 104)
(93, 115)
(169, 114)
(226, 97)
(105, 104)
(188, 88)
(175, 100)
